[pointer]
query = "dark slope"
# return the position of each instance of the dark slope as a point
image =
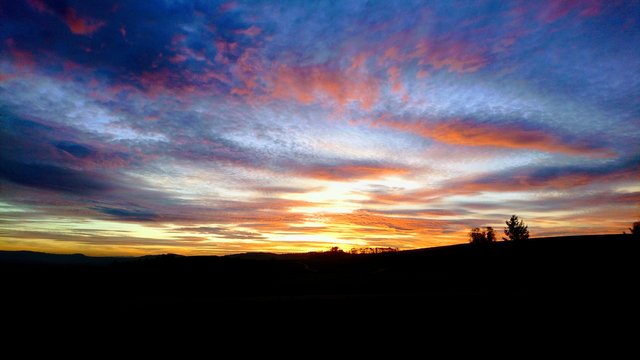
(35, 258)
(595, 270)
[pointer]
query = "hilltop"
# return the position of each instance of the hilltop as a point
(538, 266)
(512, 283)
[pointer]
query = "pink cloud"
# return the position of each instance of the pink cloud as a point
(394, 79)
(5, 77)
(178, 58)
(451, 54)
(224, 49)
(457, 56)
(320, 84)
(358, 62)
(558, 9)
(228, 6)
(77, 24)
(247, 68)
(251, 31)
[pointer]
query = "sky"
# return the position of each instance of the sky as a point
(205, 127)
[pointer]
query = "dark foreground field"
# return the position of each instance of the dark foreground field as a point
(584, 276)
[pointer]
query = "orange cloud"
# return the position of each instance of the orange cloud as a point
(358, 62)
(351, 172)
(80, 26)
(469, 133)
(385, 223)
(394, 79)
(403, 197)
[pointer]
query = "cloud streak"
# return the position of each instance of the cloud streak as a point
(353, 171)
(509, 135)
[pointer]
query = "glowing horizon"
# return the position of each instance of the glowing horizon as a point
(206, 127)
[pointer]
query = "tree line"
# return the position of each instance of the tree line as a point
(516, 230)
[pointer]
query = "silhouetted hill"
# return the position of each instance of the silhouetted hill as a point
(598, 270)
(32, 257)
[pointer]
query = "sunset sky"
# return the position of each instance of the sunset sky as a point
(204, 127)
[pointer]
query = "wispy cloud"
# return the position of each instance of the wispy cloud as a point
(351, 171)
(509, 135)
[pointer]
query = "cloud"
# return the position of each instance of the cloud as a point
(390, 224)
(79, 25)
(74, 149)
(250, 31)
(137, 215)
(512, 136)
(283, 189)
(424, 212)
(350, 171)
(459, 56)
(52, 177)
(322, 84)
(559, 9)
(222, 232)
(531, 178)
(586, 202)
(35, 141)
(39, 5)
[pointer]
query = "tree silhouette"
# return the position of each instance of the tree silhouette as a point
(515, 230)
(478, 236)
(491, 234)
(635, 229)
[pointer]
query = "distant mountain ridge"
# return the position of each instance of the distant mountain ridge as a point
(34, 257)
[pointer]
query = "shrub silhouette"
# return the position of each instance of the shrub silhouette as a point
(478, 236)
(515, 230)
(377, 250)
